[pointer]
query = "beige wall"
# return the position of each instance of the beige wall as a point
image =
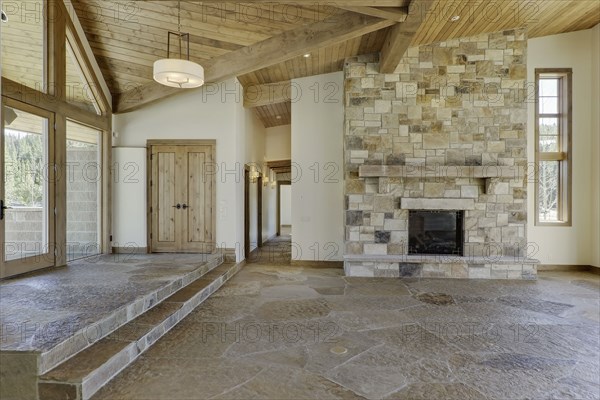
(252, 140)
(578, 244)
(278, 146)
(595, 183)
(207, 113)
(128, 194)
(278, 143)
(286, 205)
(317, 140)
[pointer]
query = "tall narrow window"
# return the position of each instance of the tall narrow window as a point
(78, 91)
(84, 183)
(553, 146)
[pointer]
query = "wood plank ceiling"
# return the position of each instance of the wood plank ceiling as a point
(127, 37)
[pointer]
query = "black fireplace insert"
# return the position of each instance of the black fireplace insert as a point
(435, 232)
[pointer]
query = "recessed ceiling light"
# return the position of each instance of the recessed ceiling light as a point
(307, 55)
(278, 117)
(455, 18)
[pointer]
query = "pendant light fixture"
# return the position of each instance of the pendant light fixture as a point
(178, 72)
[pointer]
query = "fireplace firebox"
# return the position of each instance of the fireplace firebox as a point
(435, 232)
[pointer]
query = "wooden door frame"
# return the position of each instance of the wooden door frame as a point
(175, 142)
(246, 211)
(259, 195)
(279, 183)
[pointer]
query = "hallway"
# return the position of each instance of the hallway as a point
(278, 250)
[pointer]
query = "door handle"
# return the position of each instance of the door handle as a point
(2, 208)
(178, 206)
(185, 206)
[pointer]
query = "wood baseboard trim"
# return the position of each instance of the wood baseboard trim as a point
(567, 267)
(317, 264)
(594, 270)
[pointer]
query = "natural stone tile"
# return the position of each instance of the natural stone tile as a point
(410, 270)
(55, 391)
(469, 191)
(382, 237)
(19, 375)
(437, 390)
(442, 56)
(518, 71)
(292, 383)
(548, 307)
(287, 309)
(384, 203)
(433, 189)
(180, 379)
(374, 373)
(355, 186)
(354, 218)
(375, 249)
(400, 347)
(435, 141)
(321, 359)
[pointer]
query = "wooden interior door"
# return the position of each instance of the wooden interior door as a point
(182, 190)
(198, 208)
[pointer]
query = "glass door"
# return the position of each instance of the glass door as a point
(27, 189)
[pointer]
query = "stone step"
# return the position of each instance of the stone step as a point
(84, 374)
(78, 341)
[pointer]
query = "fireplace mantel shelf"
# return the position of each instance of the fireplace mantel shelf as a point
(441, 171)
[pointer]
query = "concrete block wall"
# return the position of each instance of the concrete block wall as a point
(82, 201)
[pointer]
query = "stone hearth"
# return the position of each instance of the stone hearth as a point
(446, 131)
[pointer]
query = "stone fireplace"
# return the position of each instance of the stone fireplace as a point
(435, 162)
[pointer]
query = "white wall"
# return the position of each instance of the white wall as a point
(569, 245)
(317, 143)
(269, 212)
(196, 114)
(251, 140)
(595, 183)
(213, 112)
(278, 146)
(278, 143)
(285, 211)
(129, 191)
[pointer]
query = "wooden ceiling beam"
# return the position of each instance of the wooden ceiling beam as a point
(400, 36)
(337, 3)
(85, 50)
(282, 170)
(397, 14)
(268, 93)
(274, 50)
(279, 164)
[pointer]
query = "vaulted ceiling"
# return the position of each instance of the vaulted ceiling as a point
(126, 37)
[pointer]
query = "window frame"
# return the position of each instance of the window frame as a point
(62, 29)
(564, 155)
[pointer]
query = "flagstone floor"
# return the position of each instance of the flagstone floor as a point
(281, 332)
